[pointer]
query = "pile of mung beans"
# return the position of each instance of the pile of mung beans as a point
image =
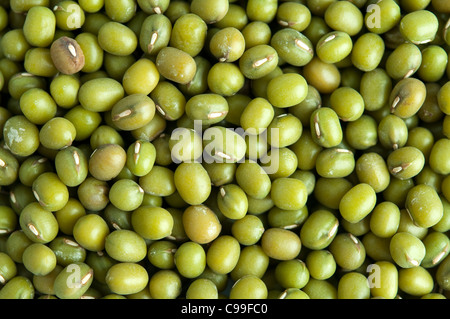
(242, 149)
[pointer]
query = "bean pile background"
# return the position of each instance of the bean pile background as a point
(97, 201)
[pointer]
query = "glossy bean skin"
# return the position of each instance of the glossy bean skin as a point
(156, 31)
(116, 38)
(47, 27)
(325, 127)
(199, 182)
(184, 69)
(19, 287)
(126, 278)
(322, 230)
(133, 112)
(189, 34)
(435, 206)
